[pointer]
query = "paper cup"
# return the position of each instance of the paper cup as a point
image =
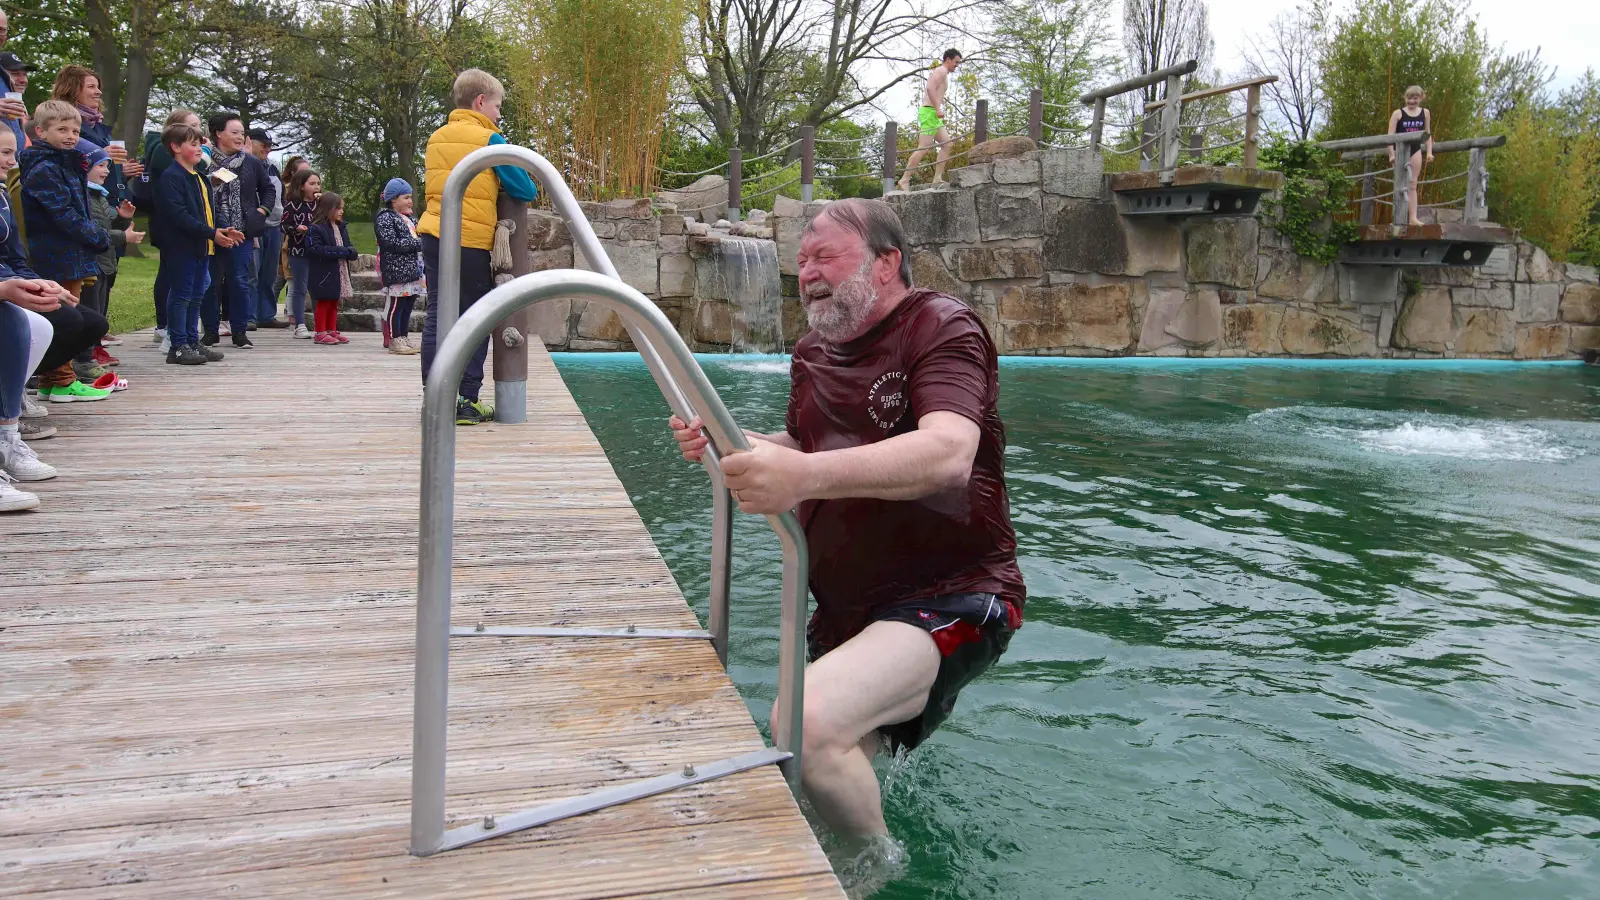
(14, 95)
(120, 145)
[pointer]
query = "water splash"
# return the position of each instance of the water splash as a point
(1401, 433)
(748, 269)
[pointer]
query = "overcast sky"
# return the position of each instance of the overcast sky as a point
(1567, 31)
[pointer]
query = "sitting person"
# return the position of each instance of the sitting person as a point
(399, 265)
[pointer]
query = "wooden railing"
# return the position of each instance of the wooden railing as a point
(1474, 201)
(1251, 116)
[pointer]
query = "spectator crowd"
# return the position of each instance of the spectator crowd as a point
(233, 234)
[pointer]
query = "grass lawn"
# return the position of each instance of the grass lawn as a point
(132, 298)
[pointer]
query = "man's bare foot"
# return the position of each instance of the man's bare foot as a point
(905, 186)
(938, 181)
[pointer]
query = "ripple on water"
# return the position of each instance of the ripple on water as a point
(1409, 433)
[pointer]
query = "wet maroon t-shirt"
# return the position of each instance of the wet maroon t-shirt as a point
(930, 354)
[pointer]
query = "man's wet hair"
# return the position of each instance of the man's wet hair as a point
(952, 53)
(876, 223)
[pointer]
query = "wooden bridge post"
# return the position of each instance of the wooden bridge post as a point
(980, 127)
(1252, 123)
(891, 153)
(735, 182)
(1170, 118)
(512, 335)
(1399, 206)
(1477, 186)
(1197, 145)
(1036, 115)
(808, 161)
(1098, 126)
(1147, 149)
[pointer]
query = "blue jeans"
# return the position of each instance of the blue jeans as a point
(233, 274)
(477, 279)
(189, 277)
(299, 276)
(16, 342)
(267, 275)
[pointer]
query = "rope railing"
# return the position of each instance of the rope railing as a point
(1215, 123)
(1460, 201)
(716, 168)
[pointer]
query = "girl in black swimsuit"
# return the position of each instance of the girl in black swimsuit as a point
(1407, 119)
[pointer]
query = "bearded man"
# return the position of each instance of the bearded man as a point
(894, 454)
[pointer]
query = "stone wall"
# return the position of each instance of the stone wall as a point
(1036, 245)
(668, 257)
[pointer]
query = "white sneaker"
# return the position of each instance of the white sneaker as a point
(300, 331)
(111, 341)
(159, 336)
(13, 500)
(33, 410)
(20, 462)
(166, 344)
(224, 330)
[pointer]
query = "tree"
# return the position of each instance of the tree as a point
(1161, 33)
(1382, 46)
(758, 69)
(1058, 46)
(1292, 50)
(1513, 80)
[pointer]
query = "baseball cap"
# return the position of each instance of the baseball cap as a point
(13, 63)
(260, 134)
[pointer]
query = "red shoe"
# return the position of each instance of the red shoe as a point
(103, 358)
(339, 337)
(386, 329)
(325, 337)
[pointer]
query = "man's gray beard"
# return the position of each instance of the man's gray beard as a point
(841, 318)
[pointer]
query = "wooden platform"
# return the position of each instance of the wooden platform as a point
(205, 654)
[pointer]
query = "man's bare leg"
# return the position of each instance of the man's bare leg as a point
(879, 677)
(943, 139)
(923, 143)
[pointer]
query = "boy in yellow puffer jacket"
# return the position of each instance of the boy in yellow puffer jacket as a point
(477, 96)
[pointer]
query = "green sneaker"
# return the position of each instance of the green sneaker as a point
(473, 412)
(76, 392)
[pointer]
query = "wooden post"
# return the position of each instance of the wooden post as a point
(891, 153)
(1036, 115)
(1170, 119)
(1477, 186)
(1400, 207)
(1098, 126)
(512, 335)
(735, 182)
(1197, 145)
(1252, 123)
(1369, 192)
(980, 128)
(808, 161)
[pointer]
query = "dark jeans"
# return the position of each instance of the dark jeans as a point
(266, 306)
(96, 297)
(232, 285)
(78, 328)
(162, 289)
(189, 277)
(16, 339)
(476, 280)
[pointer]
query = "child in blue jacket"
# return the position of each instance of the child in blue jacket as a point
(329, 252)
(64, 243)
(189, 235)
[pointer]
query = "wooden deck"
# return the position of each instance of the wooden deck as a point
(205, 654)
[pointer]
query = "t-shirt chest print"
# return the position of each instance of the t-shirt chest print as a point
(886, 399)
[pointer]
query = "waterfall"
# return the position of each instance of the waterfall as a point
(748, 268)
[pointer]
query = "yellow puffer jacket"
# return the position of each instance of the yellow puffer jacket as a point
(464, 132)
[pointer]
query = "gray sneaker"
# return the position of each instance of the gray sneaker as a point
(35, 430)
(211, 354)
(32, 409)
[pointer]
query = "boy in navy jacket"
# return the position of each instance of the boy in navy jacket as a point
(189, 237)
(63, 241)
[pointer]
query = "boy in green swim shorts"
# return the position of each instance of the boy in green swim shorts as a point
(930, 120)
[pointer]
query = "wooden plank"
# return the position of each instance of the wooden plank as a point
(210, 691)
(1216, 91)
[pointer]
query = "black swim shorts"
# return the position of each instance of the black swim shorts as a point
(971, 631)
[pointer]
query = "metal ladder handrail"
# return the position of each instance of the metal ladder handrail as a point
(586, 242)
(678, 370)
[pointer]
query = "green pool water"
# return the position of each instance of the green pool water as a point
(1293, 630)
